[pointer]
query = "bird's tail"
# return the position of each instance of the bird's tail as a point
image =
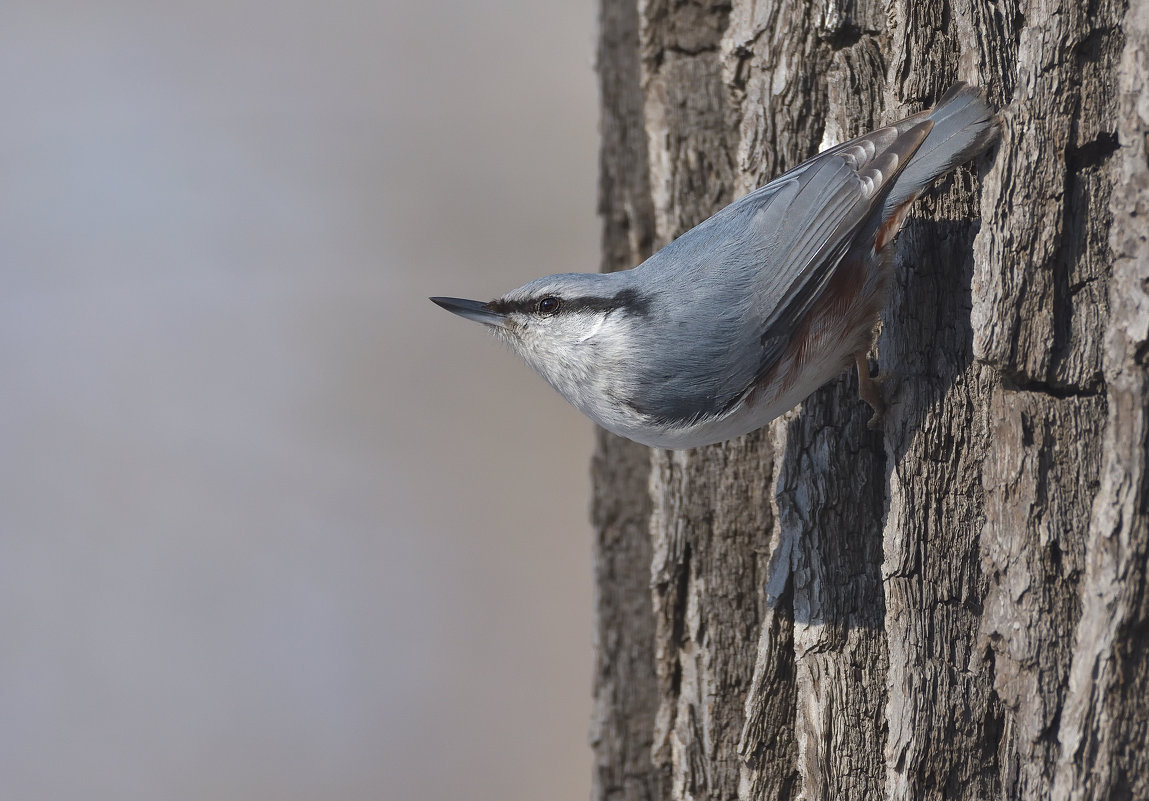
(963, 128)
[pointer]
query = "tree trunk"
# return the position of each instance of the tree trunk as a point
(953, 607)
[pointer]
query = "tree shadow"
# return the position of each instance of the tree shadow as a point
(834, 475)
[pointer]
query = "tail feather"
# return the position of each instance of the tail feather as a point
(964, 126)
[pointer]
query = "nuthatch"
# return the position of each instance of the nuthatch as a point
(746, 314)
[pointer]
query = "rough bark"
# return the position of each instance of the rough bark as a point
(956, 606)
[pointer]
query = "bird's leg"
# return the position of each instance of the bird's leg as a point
(869, 390)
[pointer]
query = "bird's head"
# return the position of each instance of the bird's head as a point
(573, 329)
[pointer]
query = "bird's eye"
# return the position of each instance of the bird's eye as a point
(549, 305)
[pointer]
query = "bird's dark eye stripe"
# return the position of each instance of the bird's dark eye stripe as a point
(627, 301)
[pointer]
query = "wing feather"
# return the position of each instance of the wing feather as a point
(842, 188)
(777, 248)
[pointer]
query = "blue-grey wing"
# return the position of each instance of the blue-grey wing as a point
(740, 282)
(839, 191)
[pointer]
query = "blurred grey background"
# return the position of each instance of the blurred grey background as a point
(273, 526)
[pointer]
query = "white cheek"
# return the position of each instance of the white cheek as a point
(594, 329)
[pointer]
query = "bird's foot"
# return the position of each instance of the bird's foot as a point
(870, 390)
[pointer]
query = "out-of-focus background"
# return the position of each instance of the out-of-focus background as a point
(273, 526)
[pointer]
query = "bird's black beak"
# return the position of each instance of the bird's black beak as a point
(472, 310)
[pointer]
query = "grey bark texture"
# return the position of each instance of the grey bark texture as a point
(953, 607)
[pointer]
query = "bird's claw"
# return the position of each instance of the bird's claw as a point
(869, 390)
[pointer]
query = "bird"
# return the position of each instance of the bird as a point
(743, 316)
